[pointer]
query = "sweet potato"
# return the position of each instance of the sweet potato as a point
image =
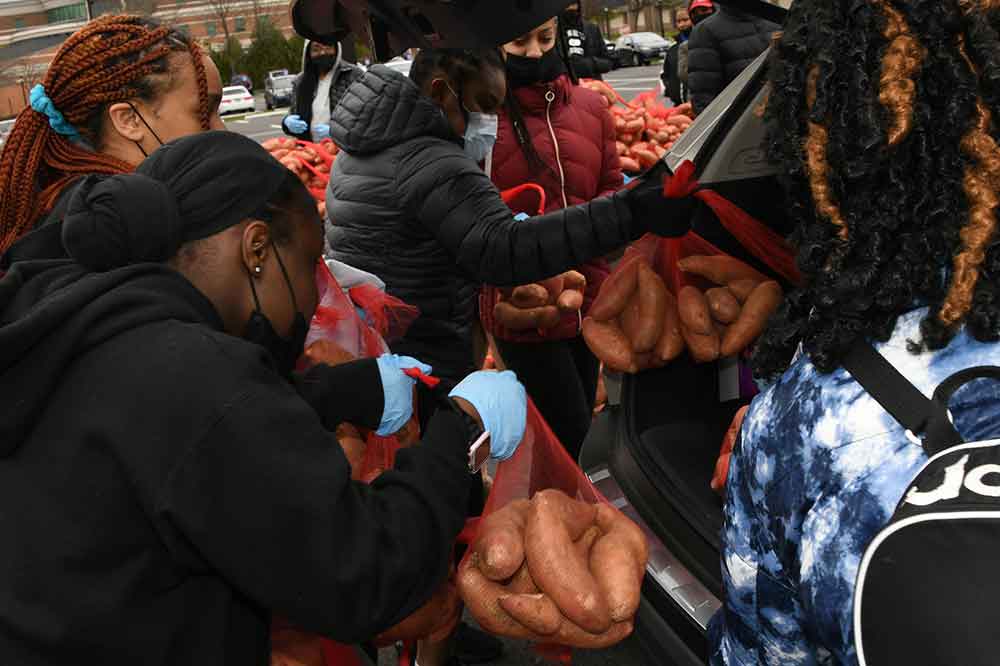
(618, 561)
(631, 319)
(570, 301)
(482, 597)
(328, 352)
(553, 287)
(763, 303)
(574, 280)
(703, 348)
(635, 126)
(536, 612)
(742, 289)
(720, 269)
(652, 309)
(630, 165)
(609, 344)
(553, 524)
(529, 296)
(572, 635)
(671, 342)
(500, 541)
(354, 447)
(517, 319)
(694, 312)
(616, 291)
(622, 148)
(723, 305)
(646, 158)
(522, 583)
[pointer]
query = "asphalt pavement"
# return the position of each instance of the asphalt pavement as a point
(628, 82)
(264, 125)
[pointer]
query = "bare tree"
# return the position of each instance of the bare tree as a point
(223, 10)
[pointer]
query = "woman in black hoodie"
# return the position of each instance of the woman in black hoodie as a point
(325, 76)
(166, 484)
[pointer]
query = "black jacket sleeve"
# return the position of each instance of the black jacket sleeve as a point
(266, 501)
(463, 209)
(706, 78)
(333, 392)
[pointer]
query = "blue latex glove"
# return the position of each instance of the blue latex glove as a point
(502, 404)
(295, 124)
(320, 132)
(521, 217)
(398, 391)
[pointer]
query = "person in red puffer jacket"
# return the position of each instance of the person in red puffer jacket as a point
(554, 133)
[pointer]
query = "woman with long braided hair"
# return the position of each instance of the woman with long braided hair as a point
(116, 89)
(884, 121)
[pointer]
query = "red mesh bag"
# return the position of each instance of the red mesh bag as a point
(387, 314)
(337, 334)
(540, 463)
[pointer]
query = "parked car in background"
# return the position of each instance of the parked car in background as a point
(242, 80)
(236, 99)
(640, 48)
(279, 91)
(609, 47)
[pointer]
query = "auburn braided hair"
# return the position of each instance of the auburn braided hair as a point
(111, 59)
(883, 117)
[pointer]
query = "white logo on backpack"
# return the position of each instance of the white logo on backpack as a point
(954, 477)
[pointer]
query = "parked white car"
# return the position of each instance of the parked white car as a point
(236, 99)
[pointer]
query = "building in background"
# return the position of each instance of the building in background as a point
(620, 17)
(31, 31)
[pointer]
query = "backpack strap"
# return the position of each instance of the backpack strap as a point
(928, 419)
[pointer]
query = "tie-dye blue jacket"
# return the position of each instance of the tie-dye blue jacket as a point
(819, 471)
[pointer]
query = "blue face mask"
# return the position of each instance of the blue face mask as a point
(480, 135)
(480, 130)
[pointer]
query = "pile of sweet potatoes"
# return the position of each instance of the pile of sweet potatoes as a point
(555, 570)
(636, 323)
(540, 306)
(311, 162)
(645, 128)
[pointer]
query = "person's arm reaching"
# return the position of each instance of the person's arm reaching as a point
(265, 501)
(464, 210)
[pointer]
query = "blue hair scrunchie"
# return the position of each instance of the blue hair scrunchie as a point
(42, 103)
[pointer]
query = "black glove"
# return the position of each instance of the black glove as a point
(654, 212)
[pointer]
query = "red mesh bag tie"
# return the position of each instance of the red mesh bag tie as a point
(756, 237)
(422, 377)
(388, 315)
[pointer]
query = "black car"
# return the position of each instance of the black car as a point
(653, 452)
(279, 91)
(640, 48)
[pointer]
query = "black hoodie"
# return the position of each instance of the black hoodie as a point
(164, 490)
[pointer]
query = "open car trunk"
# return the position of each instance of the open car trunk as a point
(654, 454)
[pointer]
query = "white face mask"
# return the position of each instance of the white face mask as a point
(480, 135)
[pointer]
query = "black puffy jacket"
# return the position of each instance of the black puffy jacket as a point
(407, 204)
(721, 47)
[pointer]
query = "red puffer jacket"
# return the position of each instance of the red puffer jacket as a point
(574, 135)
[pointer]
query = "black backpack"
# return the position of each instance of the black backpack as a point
(928, 588)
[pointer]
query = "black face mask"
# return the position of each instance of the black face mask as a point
(325, 62)
(523, 71)
(152, 131)
(284, 351)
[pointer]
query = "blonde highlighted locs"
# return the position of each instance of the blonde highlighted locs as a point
(111, 59)
(883, 120)
(982, 183)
